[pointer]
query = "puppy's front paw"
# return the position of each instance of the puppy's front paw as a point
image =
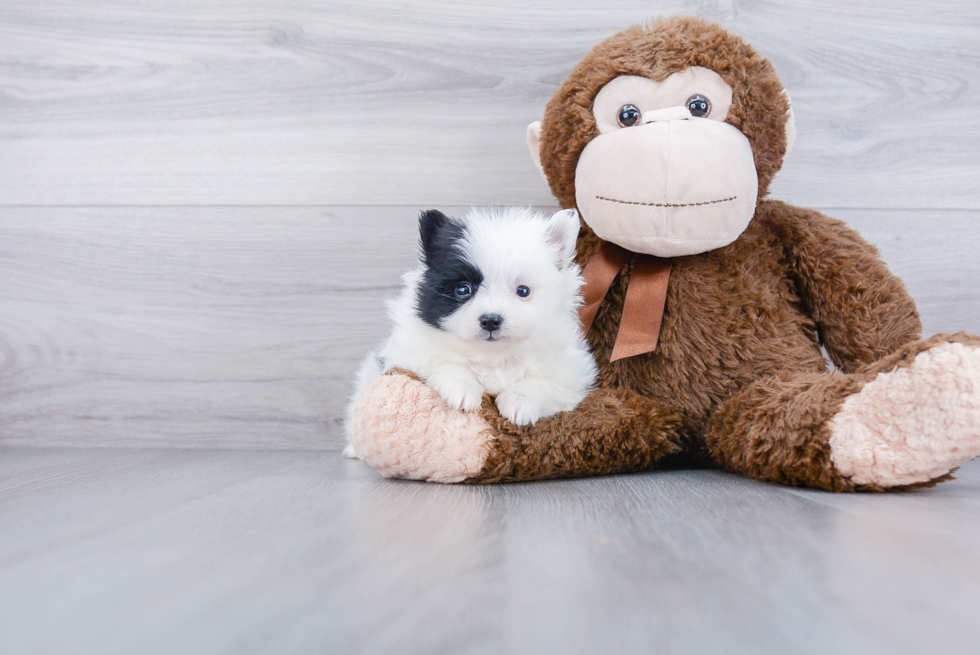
(459, 393)
(518, 408)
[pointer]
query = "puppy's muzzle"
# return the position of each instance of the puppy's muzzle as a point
(491, 323)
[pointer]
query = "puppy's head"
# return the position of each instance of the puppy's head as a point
(497, 276)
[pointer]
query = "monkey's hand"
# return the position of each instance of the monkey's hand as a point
(405, 429)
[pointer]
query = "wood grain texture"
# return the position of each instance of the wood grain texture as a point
(207, 325)
(426, 103)
(162, 551)
(241, 327)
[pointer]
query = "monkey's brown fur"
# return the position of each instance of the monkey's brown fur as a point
(738, 378)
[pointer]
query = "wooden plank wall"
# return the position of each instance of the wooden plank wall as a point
(203, 204)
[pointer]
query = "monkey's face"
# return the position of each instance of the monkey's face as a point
(665, 136)
(666, 175)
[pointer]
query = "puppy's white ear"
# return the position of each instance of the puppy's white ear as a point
(534, 145)
(562, 232)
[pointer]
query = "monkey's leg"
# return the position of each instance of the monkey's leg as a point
(905, 421)
(404, 429)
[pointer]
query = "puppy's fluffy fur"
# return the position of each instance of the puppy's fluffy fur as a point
(492, 308)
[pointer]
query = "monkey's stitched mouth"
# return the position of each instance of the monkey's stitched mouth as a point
(667, 204)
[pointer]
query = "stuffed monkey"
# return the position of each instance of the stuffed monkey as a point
(706, 304)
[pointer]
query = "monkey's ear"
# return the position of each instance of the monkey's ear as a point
(534, 145)
(432, 223)
(790, 126)
(562, 232)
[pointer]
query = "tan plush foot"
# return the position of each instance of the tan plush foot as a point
(911, 424)
(405, 430)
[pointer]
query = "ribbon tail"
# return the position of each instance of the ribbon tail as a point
(643, 310)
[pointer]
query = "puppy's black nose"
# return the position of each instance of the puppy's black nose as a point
(491, 322)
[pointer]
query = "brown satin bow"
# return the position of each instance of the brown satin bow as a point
(643, 310)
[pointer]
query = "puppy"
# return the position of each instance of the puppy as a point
(492, 308)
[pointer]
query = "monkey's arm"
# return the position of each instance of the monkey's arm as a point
(611, 431)
(862, 311)
(403, 429)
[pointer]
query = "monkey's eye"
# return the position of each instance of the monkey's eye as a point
(523, 291)
(463, 291)
(698, 105)
(629, 115)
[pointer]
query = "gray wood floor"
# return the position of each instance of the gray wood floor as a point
(218, 551)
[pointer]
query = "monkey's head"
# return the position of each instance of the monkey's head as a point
(665, 136)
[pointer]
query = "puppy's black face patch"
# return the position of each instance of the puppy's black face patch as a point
(447, 276)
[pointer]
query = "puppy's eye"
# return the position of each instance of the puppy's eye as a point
(523, 291)
(463, 291)
(698, 105)
(629, 115)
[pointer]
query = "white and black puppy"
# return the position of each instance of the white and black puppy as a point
(492, 308)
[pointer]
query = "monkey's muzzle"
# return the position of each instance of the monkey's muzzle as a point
(673, 186)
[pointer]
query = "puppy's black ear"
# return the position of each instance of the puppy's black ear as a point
(432, 227)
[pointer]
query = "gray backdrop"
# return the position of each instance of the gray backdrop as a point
(203, 204)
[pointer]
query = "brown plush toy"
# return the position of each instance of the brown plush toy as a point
(705, 306)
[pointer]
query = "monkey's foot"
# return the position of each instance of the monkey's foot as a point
(404, 429)
(914, 423)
